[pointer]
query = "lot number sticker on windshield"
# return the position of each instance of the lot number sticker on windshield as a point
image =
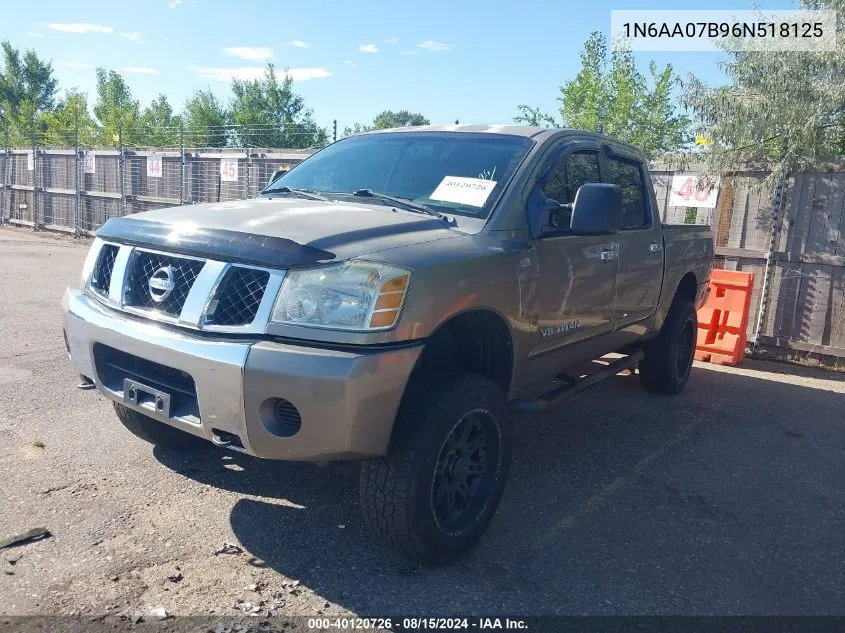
(471, 191)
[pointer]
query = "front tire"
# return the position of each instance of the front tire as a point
(668, 358)
(435, 492)
(155, 432)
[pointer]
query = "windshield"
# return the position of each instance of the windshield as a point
(461, 173)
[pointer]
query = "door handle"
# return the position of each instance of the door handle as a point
(655, 247)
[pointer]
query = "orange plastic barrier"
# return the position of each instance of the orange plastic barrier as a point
(723, 319)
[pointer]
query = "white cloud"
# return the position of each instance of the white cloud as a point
(392, 40)
(142, 70)
(435, 46)
(138, 38)
(349, 62)
(80, 27)
(256, 72)
(368, 48)
(409, 53)
(173, 3)
(33, 34)
(252, 53)
(300, 44)
(76, 65)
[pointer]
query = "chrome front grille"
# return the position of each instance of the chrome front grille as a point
(175, 274)
(101, 275)
(238, 296)
(202, 294)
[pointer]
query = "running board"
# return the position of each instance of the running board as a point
(553, 397)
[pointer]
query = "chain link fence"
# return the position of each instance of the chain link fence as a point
(77, 189)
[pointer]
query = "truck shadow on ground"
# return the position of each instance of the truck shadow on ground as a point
(725, 499)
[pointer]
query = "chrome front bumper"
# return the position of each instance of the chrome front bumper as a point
(347, 400)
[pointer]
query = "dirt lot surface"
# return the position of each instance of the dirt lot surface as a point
(727, 499)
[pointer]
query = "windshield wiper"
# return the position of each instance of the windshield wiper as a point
(402, 202)
(302, 193)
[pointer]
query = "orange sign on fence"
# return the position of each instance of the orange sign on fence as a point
(723, 319)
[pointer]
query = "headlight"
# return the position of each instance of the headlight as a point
(349, 296)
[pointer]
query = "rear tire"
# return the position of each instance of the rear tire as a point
(435, 492)
(668, 358)
(155, 432)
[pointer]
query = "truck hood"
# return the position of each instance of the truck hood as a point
(280, 232)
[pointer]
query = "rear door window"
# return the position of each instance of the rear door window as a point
(628, 174)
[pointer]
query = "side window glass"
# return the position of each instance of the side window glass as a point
(566, 177)
(581, 168)
(569, 173)
(629, 176)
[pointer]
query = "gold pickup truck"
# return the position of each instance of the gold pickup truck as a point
(393, 299)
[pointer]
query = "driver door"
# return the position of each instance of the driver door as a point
(576, 273)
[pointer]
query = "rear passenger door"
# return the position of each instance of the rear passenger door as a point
(640, 273)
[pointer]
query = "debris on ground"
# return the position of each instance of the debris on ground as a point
(13, 557)
(249, 608)
(9, 572)
(29, 535)
(135, 619)
(39, 444)
(228, 548)
(175, 576)
(158, 613)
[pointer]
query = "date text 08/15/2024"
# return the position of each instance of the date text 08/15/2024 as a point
(416, 624)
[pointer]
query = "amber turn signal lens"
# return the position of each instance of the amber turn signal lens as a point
(385, 302)
(386, 309)
(383, 319)
(396, 284)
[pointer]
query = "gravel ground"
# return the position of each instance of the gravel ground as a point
(727, 499)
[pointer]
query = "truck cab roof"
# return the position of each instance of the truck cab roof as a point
(537, 133)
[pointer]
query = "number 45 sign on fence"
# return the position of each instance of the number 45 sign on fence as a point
(688, 192)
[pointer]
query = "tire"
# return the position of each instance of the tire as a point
(668, 358)
(452, 432)
(155, 432)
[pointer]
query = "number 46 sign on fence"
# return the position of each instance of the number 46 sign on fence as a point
(688, 192)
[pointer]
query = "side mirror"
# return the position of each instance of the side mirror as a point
(597, 209)
(276, 175)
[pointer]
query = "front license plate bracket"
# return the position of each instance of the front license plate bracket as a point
(146, 397)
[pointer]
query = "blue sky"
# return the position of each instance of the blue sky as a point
(464, 59)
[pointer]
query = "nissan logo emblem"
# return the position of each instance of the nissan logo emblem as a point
(161, 283)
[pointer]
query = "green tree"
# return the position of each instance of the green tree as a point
(388, 119)
(69, 121)
(116, 111)
(401, 118)
(610, 95)
(533, 116)
(585, 100)
(267, 112)
(357, 128)
(783, 109)
(27, 92)
(159, 126)
(206, 119)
